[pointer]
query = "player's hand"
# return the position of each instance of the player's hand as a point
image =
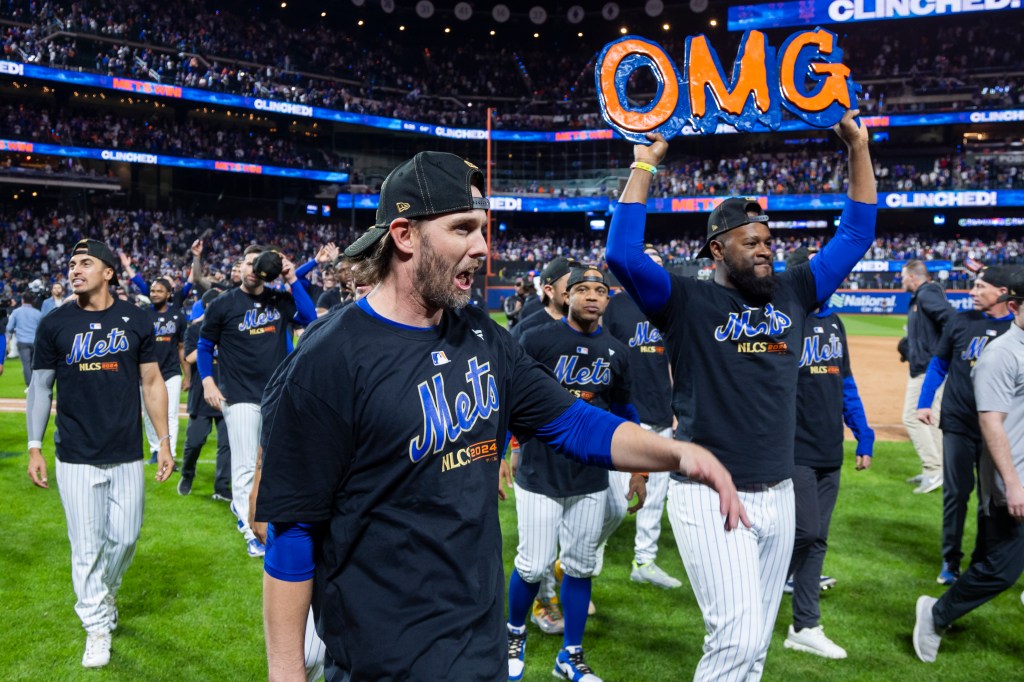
(37, 468)
(164, 461)
(924, 415)
(288, 270)
(514, 453)
(1015, 501)
(197, 248)
(327, 253)
(653, 153)
(851, 129)
(211, 393)
(504, 478)
(863, 462)
(701, 466)
(126, 261)
(259, 528)
(1, 370)
(637, 487)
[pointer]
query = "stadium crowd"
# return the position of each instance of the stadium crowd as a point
(195, 44)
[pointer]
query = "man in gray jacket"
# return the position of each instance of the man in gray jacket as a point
(929, 311)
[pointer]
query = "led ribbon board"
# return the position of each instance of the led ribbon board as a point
(805, 76)
(813, 12)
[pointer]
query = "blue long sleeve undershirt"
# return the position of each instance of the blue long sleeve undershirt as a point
(305, 268)
(649, 284)
(204, 357)
(856, 419)
(938, 368)
(305, 309)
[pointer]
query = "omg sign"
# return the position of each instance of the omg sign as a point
(805, 76)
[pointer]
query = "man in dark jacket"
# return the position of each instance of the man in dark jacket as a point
(929, 311)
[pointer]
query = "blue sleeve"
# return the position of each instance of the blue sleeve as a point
(204, 357)
(856, 419)
(648, 284)
(186, 290)
(305, 309)
(583, 433)
(3, 349)
(140, 284)
(627, 411)
(305, 269)
(508, 439)
(938, 368)
(852, 240)
(289, 554)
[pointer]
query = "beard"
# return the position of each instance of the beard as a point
(758, 290)
(434, 280)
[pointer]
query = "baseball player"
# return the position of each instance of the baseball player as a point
(381, 450)
(958, 350)
(826, 396)
(553, 278)
(202, 417)
(250, 326)
(734, 348)
(97, 349)
(649, 368)
(176, 298)
(998, 379)
(169, 339)
(22, 324)
(559, 502)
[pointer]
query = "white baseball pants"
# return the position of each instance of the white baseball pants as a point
(737, 576)
(244, 422)
(103, 505)
(313, 650)
(545, 523)
(173, 396)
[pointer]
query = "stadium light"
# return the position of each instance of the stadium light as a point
(401, 28)
(447, 30)
(713, 22)
(623, 30)
(323, 14)
(283, 5)
(360, 22)
(492, 31)
(665, 27)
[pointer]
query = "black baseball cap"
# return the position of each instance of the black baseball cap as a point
(428, 184)
(996, 275)
(1014, 286)
(268, 265)
(730, 214)
(585, 273)
(556, 269)
(97, 249)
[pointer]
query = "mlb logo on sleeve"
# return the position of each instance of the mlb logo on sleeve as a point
(439, 358)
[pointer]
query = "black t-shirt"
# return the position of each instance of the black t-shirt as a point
(734, 371)
(168, 332)
(96, 356)
(197, 405)
(329, 299)
(537, 318)
(592, 367)
(961, 343)
(392, 435)
(648, 363)
(824, 363)
(252, 334)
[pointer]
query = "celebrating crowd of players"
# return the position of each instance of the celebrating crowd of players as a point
(383, 432)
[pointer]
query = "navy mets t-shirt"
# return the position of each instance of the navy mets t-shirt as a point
(961, 343)
(648, 362)
(168, 332)
(96, 355)
(392, 435)
(591, 367)
(744, 359)
(824, 363)
(251, 333)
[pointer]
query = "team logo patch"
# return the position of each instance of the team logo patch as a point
(439, 358)
(582, 350)
(819, 330)
(403, 206)
(126, 318)
(991, 332)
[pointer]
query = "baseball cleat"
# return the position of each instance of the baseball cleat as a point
(184, 486)
(652, 573)
(948, 574)
(813, 641)
(238, 519)
(926, 639)
(928, 484)
(255, 548)
(916, 480)
(569, 665)
(219, 497)
(516, 652)
(97, 650)
(547, 615)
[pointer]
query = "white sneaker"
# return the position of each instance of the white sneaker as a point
(813, 641)
(651, 573)
(926, 639)
(928, 484)
(97, 650)
(916, 480)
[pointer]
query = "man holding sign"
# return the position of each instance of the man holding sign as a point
(734, 346)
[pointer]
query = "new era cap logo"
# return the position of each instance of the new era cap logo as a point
(714, 227)
(470, 165)
(439, 358)
(403, 206)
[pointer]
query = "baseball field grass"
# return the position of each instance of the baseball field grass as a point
(190, 604)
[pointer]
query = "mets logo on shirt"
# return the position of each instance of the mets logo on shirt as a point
(165, 330)
(257, 321)
(87, 349)
(749, 325)
(816, 357)
(647, 338)
(973, 350)
(446, 422)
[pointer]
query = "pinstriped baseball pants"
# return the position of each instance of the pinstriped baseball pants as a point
(737, 576)
(244, 422)
(545, 523)
(103, 506)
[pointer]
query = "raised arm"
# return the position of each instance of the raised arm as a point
(199, 278)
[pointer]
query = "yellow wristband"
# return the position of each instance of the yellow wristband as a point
(644, 166)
